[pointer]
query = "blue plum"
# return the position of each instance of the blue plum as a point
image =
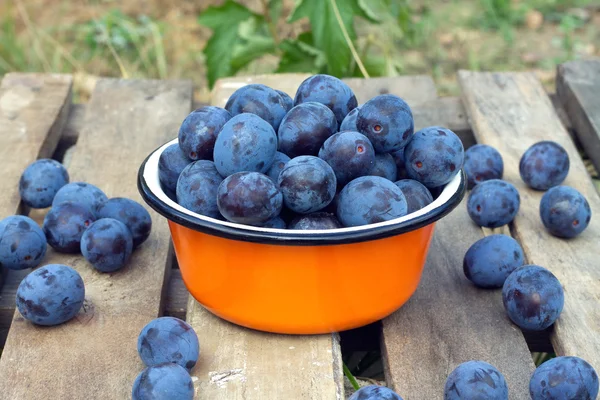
(197, 188)
(533, 297)
(308, 184)
(82, 193)
(475, 380)
(416, 194)
(565, 212)
(132, 214)
(249, 198)
(168, 339)
(482, 162)
(564, 378)
(401, 168)
(22, 243)
(434, 156)
(167, 381)
(387, 121)
(276, 223)
(305, 128)
(493, 203)
(368, 200)
(246, 143)
(64, 225)
(316, 220)
(374, 392)
(350, 155)
(278, 163)
(259, 100)
(40, 181)
(490, 260)
(199, 130)
(327, 90)
(349, 122)
(50, 295)
(384, 166)
(170, 164)
(543, 165)
(107, 244)
(288, 102)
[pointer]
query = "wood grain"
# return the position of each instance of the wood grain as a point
(239, 363)
(449, 321)
(578, 89)
(510, 111)
(33, 112)
(95, 353)
(414, 89)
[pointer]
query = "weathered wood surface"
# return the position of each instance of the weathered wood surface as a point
(449, 321)
(510, 111)
(578, 89)
(33, 111)
(95, 353)
(239, 363)
(448, 112)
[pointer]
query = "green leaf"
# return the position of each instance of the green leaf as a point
(327, 33)
(249, 50)
(299, 56)
(226, 22)
(225, 16)
(362, 9)
(218, 53)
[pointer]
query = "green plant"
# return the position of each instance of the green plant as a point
(138, 40)
(241, 36)
(502, 15)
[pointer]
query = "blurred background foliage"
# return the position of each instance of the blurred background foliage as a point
(205, 40)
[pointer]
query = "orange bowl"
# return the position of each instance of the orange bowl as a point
(293, 281)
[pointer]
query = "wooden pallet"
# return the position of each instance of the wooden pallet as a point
(447, 321)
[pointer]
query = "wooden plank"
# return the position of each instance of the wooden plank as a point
(239, 363)
(449, 321)
(448, 112)
(578, 88)
(33, 111)
(125, 121)
(415, 89)
(511, 111)
(175, 300)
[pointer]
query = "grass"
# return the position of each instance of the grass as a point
(418, 37)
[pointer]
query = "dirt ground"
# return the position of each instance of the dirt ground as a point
(450, 39)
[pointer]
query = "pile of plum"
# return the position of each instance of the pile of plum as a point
(81, 219)
(318, 161)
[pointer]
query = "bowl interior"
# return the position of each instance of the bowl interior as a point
(153, 193)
